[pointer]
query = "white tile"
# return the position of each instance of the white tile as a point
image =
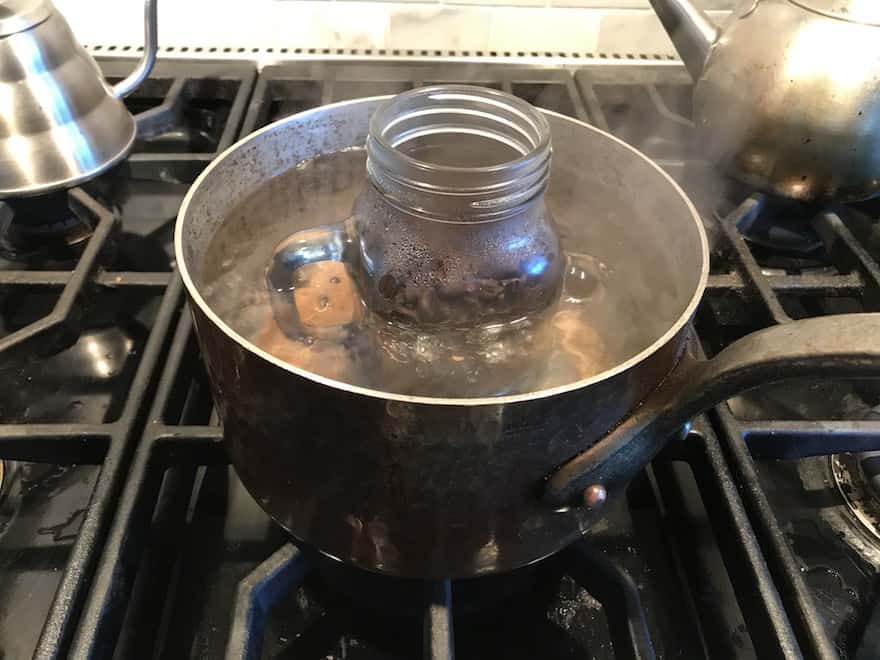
(350, 25)
(499, 3)
(410, 2)
(635, 33)
(441, 27)
(601, 4)
(542, 29)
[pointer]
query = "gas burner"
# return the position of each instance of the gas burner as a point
(779, 225)
(857, 477)
(50, 227)
(403, 596)
(10, 501)
(568, 590)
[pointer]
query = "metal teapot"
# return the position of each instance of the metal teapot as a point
(60, 122)
(787, 95)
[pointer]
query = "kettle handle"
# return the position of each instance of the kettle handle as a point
(842, 346)
(151, 41)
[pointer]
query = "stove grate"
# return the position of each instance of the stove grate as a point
(210, 97)
(158, 453)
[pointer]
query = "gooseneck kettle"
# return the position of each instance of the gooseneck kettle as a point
(60, 122)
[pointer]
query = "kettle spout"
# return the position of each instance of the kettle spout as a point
(691, 31)
(151, 43)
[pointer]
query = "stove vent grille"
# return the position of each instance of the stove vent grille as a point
(284, 53)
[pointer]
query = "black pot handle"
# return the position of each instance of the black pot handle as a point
(829, 347)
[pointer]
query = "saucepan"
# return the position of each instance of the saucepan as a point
(431, 487)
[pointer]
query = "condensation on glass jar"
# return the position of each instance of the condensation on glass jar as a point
(452, 229)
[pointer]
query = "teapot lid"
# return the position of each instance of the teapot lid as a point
(855, 11)
(19, 15)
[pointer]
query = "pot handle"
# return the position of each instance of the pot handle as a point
(844, 346)
(322, 243)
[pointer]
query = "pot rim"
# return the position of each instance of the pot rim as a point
(642, 355)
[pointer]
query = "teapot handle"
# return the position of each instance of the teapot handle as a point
(151, 40)
(842, 346)
(308, 246)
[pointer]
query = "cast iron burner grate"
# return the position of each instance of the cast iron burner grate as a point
(80, 343)
(287, 568)
(167, 556)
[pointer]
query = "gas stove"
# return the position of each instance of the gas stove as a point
(124, 532)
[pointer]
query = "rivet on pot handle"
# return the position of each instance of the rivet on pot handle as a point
(845, 346)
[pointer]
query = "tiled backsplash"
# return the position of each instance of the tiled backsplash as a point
(592, 4)
(267, 30)
(720, 5)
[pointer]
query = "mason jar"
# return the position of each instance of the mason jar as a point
(451, 228)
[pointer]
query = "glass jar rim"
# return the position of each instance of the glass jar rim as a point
(465, 93)
(458, 192)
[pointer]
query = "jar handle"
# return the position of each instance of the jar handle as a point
(309, 246)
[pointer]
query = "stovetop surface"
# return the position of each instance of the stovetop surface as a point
(124, 533)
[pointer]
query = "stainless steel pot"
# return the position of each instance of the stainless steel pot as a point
(430, 487)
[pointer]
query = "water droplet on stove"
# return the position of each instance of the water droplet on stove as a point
(335, 280)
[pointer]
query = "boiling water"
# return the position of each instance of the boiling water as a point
(453, 149)
(594, 326)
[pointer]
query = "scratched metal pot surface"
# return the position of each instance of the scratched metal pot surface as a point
(421, 486)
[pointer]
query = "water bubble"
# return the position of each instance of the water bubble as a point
(323, 303)
(585, 278)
